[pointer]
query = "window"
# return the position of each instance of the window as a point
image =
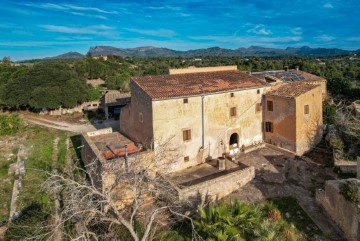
(231, 94)
(258, 91)
(186, 101)
(186, 135)
(270, 105)
(141, 117)
(258, 107)
(186, 158)
(232, 111)
(269, 127)
(306, 109)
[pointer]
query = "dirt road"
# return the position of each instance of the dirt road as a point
(72, 127)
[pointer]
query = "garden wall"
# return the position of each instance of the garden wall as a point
(343, 212)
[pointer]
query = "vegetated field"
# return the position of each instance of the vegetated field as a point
(33, 201)
(296, 216)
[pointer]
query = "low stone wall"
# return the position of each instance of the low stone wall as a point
(343, 212)
(218, 187)
(344, 166)
(87, 106)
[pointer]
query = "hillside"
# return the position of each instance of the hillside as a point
(69, 55)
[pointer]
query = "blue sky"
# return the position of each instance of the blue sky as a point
(36, 29)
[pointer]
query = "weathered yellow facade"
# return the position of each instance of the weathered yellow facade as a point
(293, 129)
(208, 118)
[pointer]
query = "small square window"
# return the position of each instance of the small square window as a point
(269, 105)
(306, 109)
(231, 94)
(232, 111)
(186, 135)
(258, 91)
(141, 117)
(186, 158)
(186, 100)
(269, 127)
(258, 107)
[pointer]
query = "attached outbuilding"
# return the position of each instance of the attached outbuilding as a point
(112, 102)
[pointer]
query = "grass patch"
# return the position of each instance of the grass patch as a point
(6, 186)
(297, 216)
(39, 154)
(4, 166)
(61, 162)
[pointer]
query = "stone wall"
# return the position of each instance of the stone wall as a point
(309, 127)
(344, 166)
(219, 187)
(136, 118)
(89, 106)
(343, 212)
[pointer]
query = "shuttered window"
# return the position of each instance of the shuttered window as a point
(186, 135)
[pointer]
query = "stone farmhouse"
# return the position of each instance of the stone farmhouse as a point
(205, 118)
(204, 113)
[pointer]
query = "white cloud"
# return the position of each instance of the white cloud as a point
(157, 32)
(248, 40)
(71, 8)
(324, 38)
(167, 7)
(328, 5)
(297, 31)
(81, 8)
(260, 30)
(89, 15)
(353, 39)
(99, 30)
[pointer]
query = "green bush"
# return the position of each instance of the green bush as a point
(350, 191)
(336, 143)
(10, 124)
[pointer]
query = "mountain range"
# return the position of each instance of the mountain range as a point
(253, 51)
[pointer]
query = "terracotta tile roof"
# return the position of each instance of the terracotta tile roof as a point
(190, 84)
(114, 96)
(292, 90)
(132, 148)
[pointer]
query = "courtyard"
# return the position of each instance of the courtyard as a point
(279, 175)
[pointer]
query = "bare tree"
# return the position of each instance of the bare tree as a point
(132, 192)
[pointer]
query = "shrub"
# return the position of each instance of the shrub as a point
(336, 143)
(350, 191)
(10, 124)
(274, 214)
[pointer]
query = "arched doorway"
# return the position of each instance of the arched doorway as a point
(234, 139)
(234, 143)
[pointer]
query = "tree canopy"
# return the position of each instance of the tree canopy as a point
(51, 84)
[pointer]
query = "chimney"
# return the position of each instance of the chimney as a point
(297, 67)
(286, 68)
